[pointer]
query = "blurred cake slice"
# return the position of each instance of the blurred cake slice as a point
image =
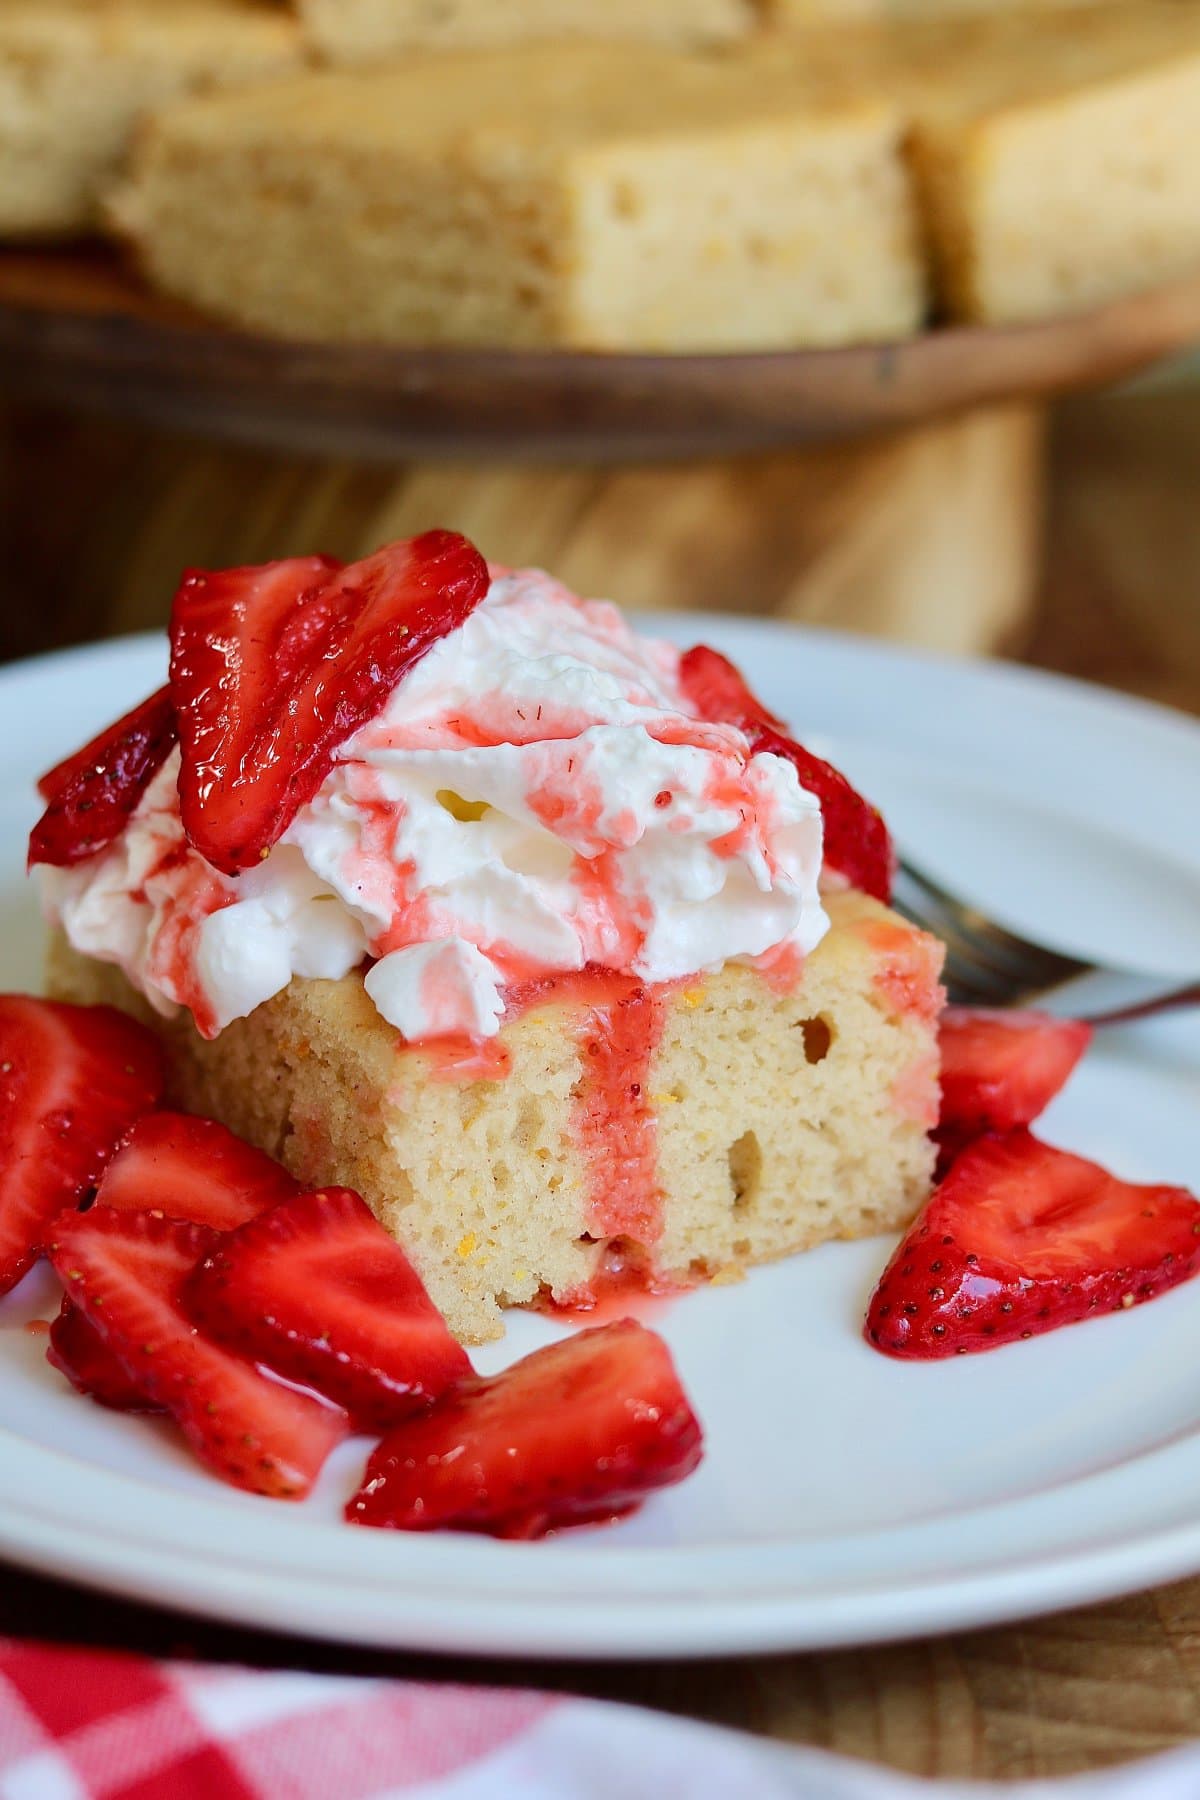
(768, 1120)
(1056, 154)
(792, 13)
(599, 197)
(354, 30)
(75, 79)
(1059, 157)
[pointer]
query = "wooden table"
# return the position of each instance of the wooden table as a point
(1118, 604)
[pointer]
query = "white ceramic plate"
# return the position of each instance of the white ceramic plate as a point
(844, 1497)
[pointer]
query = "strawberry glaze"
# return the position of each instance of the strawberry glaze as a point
(915, 1091)
(781, 968)
(615, 1125)
(623, 1287)
(172, 965)
(466, 1059)
(618, 1025)
(909, 970)
(618, 1029)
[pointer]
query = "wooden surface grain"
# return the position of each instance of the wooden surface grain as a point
(1118, 604)
(77, 327)
(930, 536)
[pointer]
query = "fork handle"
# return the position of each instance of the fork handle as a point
(1113, 997)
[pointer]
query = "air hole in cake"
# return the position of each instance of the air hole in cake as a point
(530, 1121)
(818, 1038)
(745, 1170)
(625, 201)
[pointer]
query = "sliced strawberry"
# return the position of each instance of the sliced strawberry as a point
(72, 1081)
(92, 794)
(318, 1291)
(193, 1169)
(578, 1432)
(719, 691)
(857, 842)
(185, 1168)
(1001, 1069)
(77, 1351)
(125, 1272)
(272, 669)
(1020, 1238)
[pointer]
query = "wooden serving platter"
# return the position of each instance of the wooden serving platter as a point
(78, 329)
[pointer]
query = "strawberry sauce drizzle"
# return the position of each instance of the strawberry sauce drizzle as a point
(781, 968)
(618, 1030)
(915, 1091)
(466, 1059)
(623, 1287)
(172, 961)
(910, 967)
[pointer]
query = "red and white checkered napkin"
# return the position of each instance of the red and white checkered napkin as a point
(78, 1725)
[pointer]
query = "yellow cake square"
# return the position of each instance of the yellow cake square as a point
(599, 198)
(773, 1119)
(356, 30)
(76, 78)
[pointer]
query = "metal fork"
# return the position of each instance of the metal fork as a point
(988, 965)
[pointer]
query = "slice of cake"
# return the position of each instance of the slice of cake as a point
(594, 197)
(803, 13)
(76, 78)
(535, 933)
(767, 1122)
(1059, 158)
(1057, 155)
(357, 30)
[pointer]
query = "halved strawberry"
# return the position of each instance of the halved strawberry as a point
(92, 793)
(273, 668)
(1021, 1238)
(185, 1168)
(125, 1272)
(719, 691)
(77, 1351)
(318, 1291)
(72, 1081)
(1001, 1069)
(857, 842)
(194, 1169)
(575, 1433)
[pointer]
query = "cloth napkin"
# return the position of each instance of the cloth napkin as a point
(82, 1725)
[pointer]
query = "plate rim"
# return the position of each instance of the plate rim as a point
(712, 1623)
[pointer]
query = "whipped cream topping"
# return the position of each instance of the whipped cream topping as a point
(535, 796)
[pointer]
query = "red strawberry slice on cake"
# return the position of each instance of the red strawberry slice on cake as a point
(125, 1273)
(575, 1433)
(857, 842)
(93, 793)
(183, 1168)
(1001, 1069)
(77, 1351)
(72, 1081)
(318, 1291)
(193, 1169)
(1021, 1238)
(274, 668)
